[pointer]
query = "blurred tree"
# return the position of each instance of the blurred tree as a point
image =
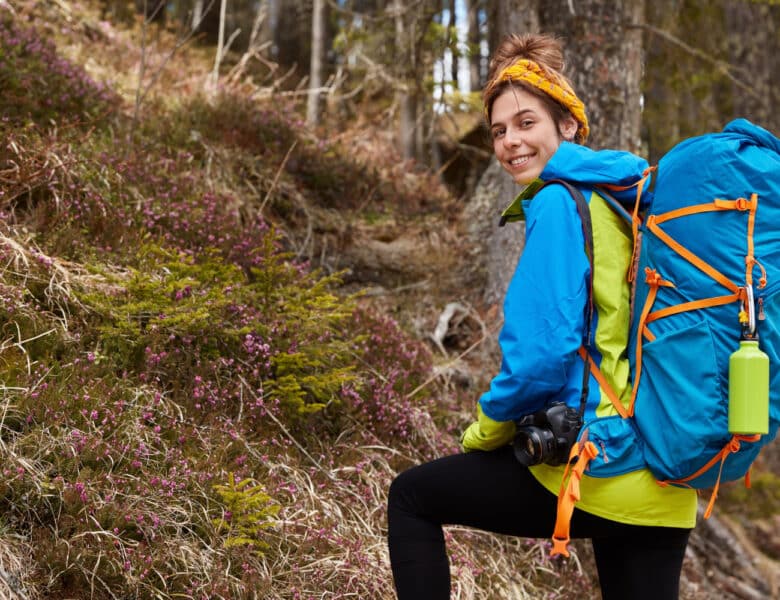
(754, 50)
(153, 10)
(707, 63)
(271, 8)
(451, 38)
(662, 81)
(687, 84)
(604, 49)
(316, 69)
(239, 18)
(118, 11)
(405, 95)
(513, 16)
(413, 62)
(292, 34)
(474, 41)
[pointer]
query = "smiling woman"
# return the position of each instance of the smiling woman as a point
(530, 106)
(524, 135)
(528, 443)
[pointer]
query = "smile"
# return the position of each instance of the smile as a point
(520, 160)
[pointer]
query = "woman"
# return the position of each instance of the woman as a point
(639, 529)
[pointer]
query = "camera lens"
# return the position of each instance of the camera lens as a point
(530, 445)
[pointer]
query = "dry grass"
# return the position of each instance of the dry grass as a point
(329, 539)
(16, 567)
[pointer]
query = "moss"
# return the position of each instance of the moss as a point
(760, 501)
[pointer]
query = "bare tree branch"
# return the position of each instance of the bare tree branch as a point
(721, 66)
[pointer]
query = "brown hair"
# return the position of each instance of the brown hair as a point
(546, 51)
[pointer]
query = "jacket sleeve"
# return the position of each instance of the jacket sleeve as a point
(544, 310)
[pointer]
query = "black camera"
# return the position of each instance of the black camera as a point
(547, 435)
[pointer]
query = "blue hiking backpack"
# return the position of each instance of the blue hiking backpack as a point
(710, 247)
(706, 253)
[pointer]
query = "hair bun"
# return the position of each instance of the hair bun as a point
(545, 50)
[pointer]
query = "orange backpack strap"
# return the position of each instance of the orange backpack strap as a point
(654, 281)
(603, 383)
(731, 447)
(652, 225)
(636, 221)
(580, 456)
(693, 305)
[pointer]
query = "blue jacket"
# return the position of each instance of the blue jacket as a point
(545, 304)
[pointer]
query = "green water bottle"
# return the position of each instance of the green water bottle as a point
(749, 389)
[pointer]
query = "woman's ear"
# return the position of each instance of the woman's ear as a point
(568, 128)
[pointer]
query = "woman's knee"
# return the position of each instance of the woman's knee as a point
(401, 493)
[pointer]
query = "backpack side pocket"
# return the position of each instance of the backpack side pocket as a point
(681, 407)
(619, 446)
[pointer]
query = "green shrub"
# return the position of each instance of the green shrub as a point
(211, 332)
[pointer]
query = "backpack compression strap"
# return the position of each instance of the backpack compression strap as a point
(655, 280)
(738, 294)
(634, 218)
(720, 457)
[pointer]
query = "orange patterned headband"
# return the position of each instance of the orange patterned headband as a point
(551, 84)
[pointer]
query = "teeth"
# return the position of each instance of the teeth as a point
(518, 161)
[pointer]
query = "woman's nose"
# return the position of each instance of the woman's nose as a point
(513, 137)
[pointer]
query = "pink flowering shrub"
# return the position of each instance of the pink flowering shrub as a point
(39, 85)
(127, 480)
(326, 170)
(394, 365)
(227, 340)
(189, 410)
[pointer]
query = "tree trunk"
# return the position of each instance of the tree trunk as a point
(152, 10)
(404, 99)
(499, 247)
(220, 46)
(317, 63)
(696, 77)
(292, 36)
(452, 39)
(474, 46)
(197, 14)
(603, 50)
(661, 119)
(688, 70)
(754, 49)
(270, 23)
(515, 16)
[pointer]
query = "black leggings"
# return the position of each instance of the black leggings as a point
(493, 492)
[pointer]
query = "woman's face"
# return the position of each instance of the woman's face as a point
(524, 134)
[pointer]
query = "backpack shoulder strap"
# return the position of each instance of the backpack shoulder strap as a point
(615, 204)
(584, 213)
(583, 451)
(587, 230)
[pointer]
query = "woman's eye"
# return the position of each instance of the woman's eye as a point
(526, 123)
(497, 133)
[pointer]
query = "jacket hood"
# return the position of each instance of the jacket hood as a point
(584, 167)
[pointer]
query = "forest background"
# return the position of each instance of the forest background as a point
(250, 271)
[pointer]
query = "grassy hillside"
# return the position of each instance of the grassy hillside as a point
(216, 344)
(191, 409)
